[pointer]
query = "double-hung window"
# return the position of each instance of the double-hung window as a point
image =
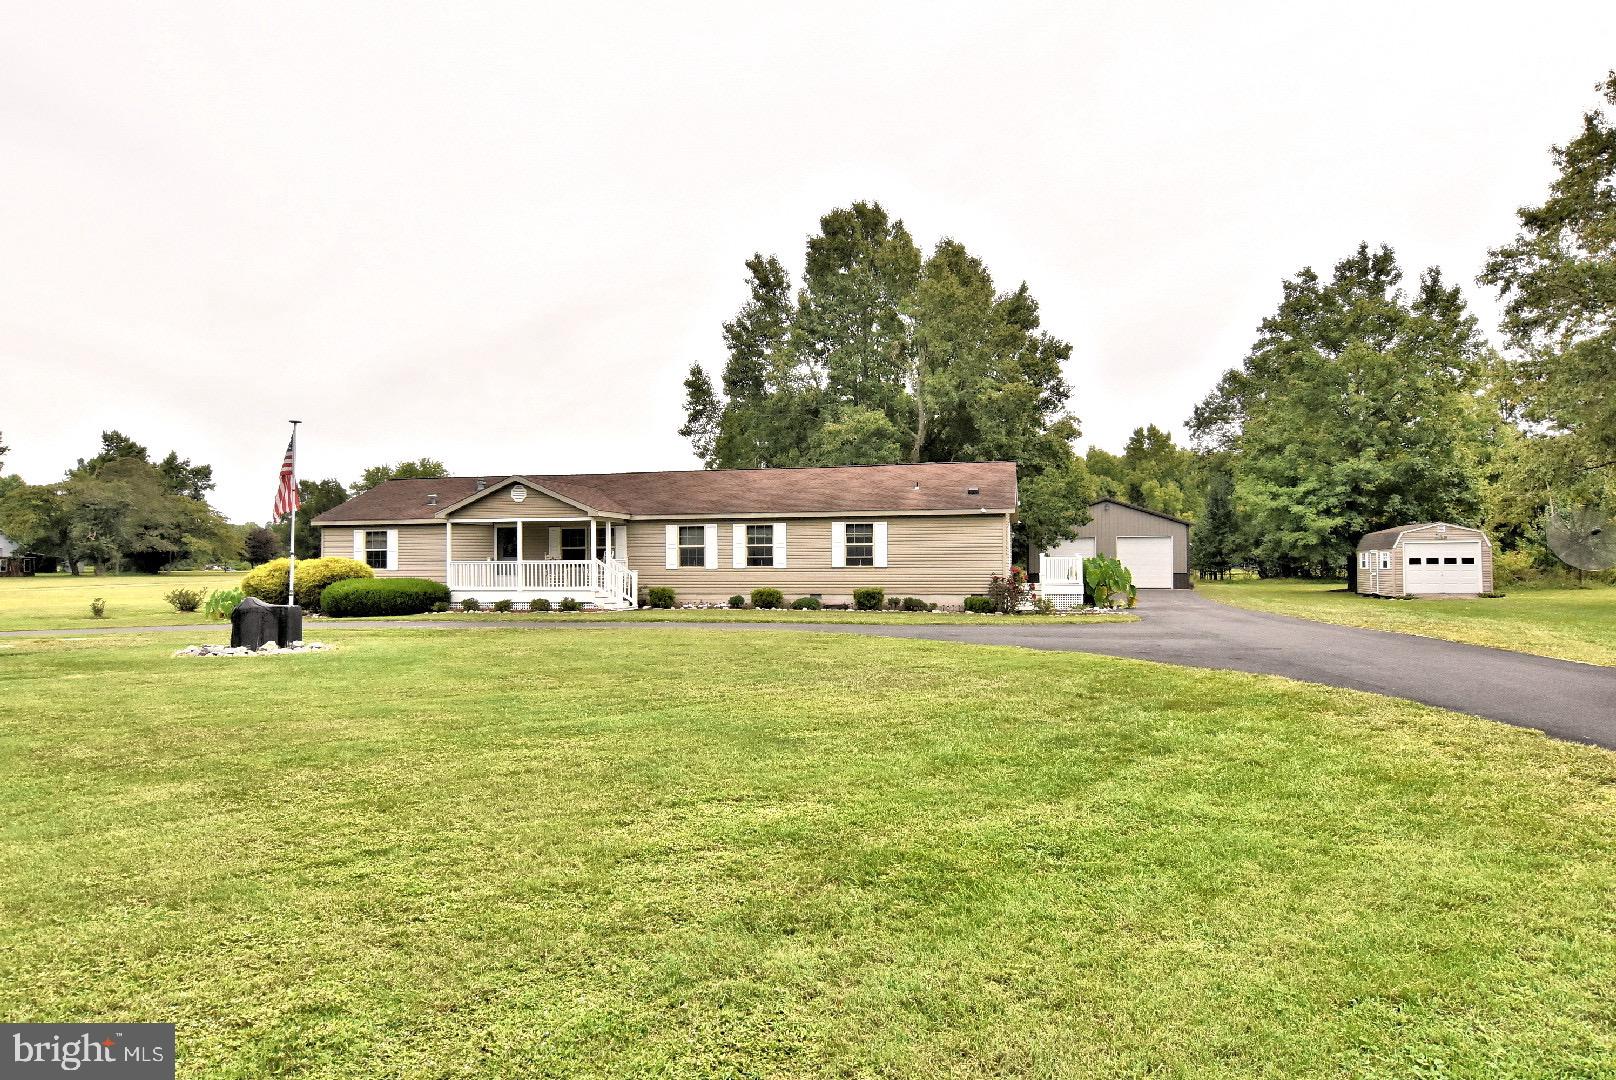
(376, 549)
(692, 545)
(860, 543)
(1385, 560)
(760, 545)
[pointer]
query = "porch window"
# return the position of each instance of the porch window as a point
(692, 545)
(860, 543)
(760, 545)
(376, 549)
(575, 544)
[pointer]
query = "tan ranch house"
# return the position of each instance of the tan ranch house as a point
(938, 531)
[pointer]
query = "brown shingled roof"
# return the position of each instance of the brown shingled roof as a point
(854, 488)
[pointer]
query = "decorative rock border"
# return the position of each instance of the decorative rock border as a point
(269, 649)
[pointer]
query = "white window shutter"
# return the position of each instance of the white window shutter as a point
(780, 544)
(392, 549)
(359, 544)
(553, 550)
(737, 547)
(620, 543)
(838, 543)
(710, 556)
(671, 543)
(880, 543)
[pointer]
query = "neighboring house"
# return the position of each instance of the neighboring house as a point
(1431, 559)
(14, 562)
(938, 531)
(1155, 547)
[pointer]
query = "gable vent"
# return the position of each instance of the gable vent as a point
(973, 491)
(518, 492)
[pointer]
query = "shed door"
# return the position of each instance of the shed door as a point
(1149, 559)
(1442, 566)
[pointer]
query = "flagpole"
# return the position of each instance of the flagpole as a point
(291, 535)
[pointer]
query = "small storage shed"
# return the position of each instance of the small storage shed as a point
(1436, 558)
(1155, 547)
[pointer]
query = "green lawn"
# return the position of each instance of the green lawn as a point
(670, 853)
(1572, 624)
(51, 601)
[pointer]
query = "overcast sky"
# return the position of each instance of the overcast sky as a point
(499, 234)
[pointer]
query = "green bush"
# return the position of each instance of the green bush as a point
(1105, 577)
(98, 608)
(869, 598)
(184, 599)
(268, 582)
(470, 604)
(1513, 568)
(221, 602)
(359, 597)
(768, 598)
(503, 605)
(915, 603)
(659, 597)
(981, 605)
(807, 603)
(569, 604)
(541, 604)
(737, 601)
(1009, 591)
(440, 607)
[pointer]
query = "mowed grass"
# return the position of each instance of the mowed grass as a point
(1571, 624)
(52, 601)
(674, 853)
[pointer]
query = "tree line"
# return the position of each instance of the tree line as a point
(1365, 401)
(121, 510)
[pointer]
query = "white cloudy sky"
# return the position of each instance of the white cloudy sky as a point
(498, 234)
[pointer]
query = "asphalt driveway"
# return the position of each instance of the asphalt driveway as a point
(1563, 699)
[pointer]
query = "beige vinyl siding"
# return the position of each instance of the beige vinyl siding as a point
(939, 558)
(498, 504)
(1391, 581)
(420, 548)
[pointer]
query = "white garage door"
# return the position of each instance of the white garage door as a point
(1442, 566)
(1149, 559)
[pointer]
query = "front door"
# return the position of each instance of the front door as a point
(505, 541)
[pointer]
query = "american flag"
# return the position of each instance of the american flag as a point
(286, 497)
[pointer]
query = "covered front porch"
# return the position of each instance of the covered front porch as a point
(540, 558)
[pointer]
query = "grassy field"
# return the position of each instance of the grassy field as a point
(667, 853)
(1572, 624)
(60, 601)
(52, 601)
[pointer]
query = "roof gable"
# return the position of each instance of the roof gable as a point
(1141, 509)
(478, 495)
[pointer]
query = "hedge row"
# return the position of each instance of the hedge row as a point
(381, 596)
(268, 582)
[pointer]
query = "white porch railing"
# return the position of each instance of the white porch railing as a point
(584, 579)
(1060, 580)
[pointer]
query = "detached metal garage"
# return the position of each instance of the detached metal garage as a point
(1155, 547)
(1430, 559)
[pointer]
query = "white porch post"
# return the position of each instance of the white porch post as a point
(594, 577)
(519, 531)
(448, 553)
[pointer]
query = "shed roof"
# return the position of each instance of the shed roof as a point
(1382, 539)
(925, 487)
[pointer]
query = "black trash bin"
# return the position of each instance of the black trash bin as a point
(253, 623)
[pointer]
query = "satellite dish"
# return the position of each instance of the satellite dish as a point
(1584, 538)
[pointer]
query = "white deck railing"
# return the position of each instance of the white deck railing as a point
(1060, 579)
(584, 577)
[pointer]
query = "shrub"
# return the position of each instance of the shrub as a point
(268, 582)
(659, 597)
(98, 608)
(869, 598)
(807, 603)
(981, 605)
(767, 598)
(1105, 577)
(184, 599)
(569, 604)
(915, 603)
(1009, 591)
(1513, 568)
(358, 597)
(503, 605)
(440, 607)
(470, 604)
(737, 601)
(894, 603)
(541, 604)
(221, 602)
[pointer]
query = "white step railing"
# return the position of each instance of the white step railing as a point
(585, 579)
(1060, 580)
